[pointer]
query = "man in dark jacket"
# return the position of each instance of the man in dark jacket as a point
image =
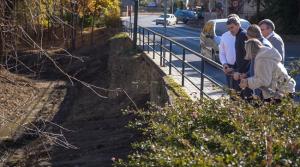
(241, 65)
(253, 31)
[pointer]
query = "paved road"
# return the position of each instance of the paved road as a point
(190, 37)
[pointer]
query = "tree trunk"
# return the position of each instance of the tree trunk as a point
(1, 30)
(258, 3)
(61, 10)
(62, 18)
(299, 11)
(93, 24)
(82, 21)
(1, 47)
(74, 26)
(92, 33)
(9, 8)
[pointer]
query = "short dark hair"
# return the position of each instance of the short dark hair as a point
(233, 20)
(254, 31)
(233, 15)
(267, 22)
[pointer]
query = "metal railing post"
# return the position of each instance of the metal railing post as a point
(161, 50)
(164, 58)
(130, 29)
(143, 38)
(148, 39)
(135, 22)
(163, 53)
(170, 58)
(140, 36)
(202, 78)
(183, 67)
(153, 46)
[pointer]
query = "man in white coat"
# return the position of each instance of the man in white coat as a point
(269, 73)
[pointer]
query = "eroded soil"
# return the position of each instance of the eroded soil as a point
(76, 126)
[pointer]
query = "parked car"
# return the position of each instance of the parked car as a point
(152, 4)
(185, 15)
(199, 11)
(210, 37)
(170, 19)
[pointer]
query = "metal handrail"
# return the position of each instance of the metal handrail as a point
(162, 52)
(217, 65)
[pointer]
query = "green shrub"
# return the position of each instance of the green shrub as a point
(284, 13)
(217, 133)
(112, 21)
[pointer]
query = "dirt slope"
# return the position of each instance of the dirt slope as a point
(97, 125)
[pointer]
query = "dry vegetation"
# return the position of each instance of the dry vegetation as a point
(48, 31)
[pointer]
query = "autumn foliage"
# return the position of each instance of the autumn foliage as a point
(32, 23)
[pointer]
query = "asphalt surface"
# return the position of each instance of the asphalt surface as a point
(190, 37)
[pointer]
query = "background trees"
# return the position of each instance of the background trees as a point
(285, 14)
(28, 23)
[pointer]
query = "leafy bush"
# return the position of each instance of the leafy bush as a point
(112, 21)
(284, 13)
(217, 133)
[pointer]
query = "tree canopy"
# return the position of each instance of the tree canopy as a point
(285, 14)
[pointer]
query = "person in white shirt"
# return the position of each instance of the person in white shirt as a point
(227, 51)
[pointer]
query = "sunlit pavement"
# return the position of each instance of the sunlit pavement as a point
(190, 37)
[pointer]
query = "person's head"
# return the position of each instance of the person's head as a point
(254, 31)
(233, 15)
(267, 27)
(233, 25)
(252, 47)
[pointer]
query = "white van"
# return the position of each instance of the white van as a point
(210, 37)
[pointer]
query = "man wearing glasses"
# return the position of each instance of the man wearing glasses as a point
(267, 28)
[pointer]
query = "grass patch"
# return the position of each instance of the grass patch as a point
(176, 88)
(121, 35)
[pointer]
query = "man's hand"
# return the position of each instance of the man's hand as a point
(243, 76)
(226, 69)
(236, 76)
(244, 83)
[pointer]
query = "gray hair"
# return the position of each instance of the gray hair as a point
(267, 22)
(254, 31)
(233, 20)
(252, 47)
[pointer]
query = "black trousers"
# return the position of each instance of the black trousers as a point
(277, 101)
(231, 83)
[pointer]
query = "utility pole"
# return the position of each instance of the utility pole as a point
(226, 8)
(165, 14)
(172, 6)
(129, 13)
(165, 29)
(136, 10)
(74, 5)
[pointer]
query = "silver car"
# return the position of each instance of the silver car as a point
(170, 19)
(210, 37)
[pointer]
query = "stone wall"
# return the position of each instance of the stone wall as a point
(132, 72)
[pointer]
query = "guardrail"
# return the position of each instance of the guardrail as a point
(165, 45)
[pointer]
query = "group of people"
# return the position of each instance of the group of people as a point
(253, 61)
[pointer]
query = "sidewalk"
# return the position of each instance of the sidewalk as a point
(191, 88)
